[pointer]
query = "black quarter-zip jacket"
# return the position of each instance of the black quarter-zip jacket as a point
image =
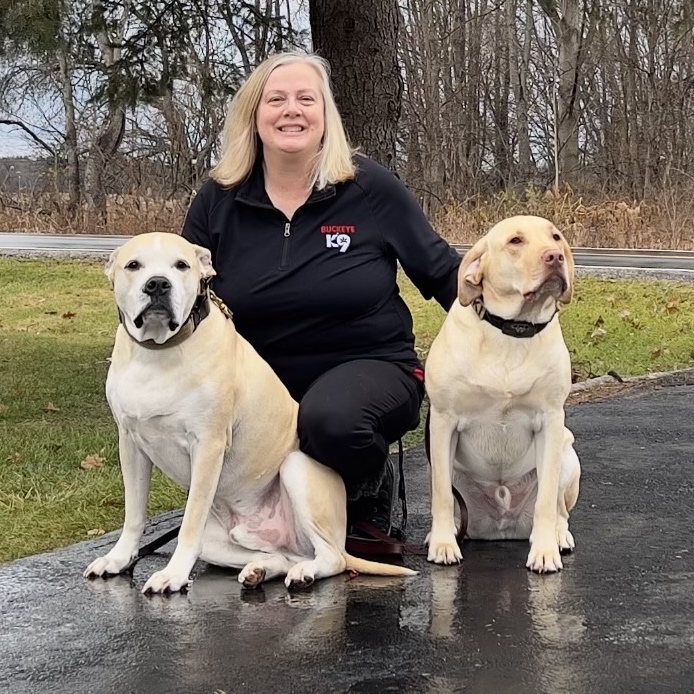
(320, 290)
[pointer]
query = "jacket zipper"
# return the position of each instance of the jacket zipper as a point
(285, 246)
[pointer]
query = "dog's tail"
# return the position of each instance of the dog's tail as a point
(502, 496)
(374, 568)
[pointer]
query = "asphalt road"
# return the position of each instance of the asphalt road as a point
(618, 619)
(676, 261)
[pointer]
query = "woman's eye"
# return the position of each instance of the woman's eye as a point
(182, 265)
(133, 265)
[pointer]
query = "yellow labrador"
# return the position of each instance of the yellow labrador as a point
(498, 375)
(192, 397)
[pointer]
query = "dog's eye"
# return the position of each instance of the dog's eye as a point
(556, 237)
(133, 265)
(182, 265)
(516, 240)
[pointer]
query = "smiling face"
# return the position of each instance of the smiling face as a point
(290, 116)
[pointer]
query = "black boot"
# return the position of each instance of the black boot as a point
(377, 510)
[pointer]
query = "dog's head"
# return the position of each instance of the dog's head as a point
(521, 262)
(156, 278)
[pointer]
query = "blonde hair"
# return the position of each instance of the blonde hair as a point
(240, 141)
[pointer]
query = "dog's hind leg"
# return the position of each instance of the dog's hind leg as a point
(256, 567)
(568, 494)
(318, 500)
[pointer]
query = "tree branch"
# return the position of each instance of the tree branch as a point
(29, 132)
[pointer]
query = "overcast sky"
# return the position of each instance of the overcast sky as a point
(12, 144)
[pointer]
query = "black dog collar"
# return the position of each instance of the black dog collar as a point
(513, 328)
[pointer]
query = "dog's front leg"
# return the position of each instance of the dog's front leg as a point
(207, 457)
(443, 546)
(136, 469)
(544, 554)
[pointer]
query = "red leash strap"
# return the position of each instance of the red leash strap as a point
(377, 543)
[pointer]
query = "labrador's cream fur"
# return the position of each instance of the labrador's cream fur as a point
(213, 416)
(497, 401)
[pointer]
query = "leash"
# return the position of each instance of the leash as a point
(378, 543)
(158, 542)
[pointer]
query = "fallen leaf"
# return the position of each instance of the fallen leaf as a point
(598, 333)
(657, 352)
(14, 457)
(599, 322)
(69, 314)
(92, 461)
(51, 408)
(625, 314)
(95, 532)
(671, 307)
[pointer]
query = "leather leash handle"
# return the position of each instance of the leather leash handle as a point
(158, 542)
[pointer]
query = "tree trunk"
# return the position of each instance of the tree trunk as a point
(71, 151)
(566, 17)
(519, 59)
(108, 139)
(359, 39)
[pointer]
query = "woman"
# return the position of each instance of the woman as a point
(305, 237)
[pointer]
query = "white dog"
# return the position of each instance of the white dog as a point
(192, 397)
(498, 375)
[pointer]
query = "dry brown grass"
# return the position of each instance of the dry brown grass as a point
(664, 221)
(127, 214)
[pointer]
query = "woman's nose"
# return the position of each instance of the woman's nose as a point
(292, 106)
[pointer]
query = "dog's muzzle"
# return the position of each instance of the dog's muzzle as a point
(159, 291)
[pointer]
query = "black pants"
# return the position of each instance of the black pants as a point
(351, 414)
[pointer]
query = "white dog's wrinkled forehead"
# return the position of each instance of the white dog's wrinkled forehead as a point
(157, 249)
(526, 226)
(153, 253)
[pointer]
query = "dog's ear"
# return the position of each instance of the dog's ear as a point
(566, 297)
(471, 273)
(110, 267)
(205, 262)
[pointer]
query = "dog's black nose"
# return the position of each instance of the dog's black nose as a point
(156, 286)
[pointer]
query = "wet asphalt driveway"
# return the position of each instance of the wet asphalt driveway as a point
(619, 618)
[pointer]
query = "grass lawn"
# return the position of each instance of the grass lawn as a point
(59, 475)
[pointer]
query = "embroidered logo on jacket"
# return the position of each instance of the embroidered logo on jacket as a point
(338, 235)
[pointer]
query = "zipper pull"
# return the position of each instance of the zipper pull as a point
(286, 230)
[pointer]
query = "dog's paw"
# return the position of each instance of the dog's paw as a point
(252, 575)
(544, 558)
(566, 542)
(443, 550)
(165, 582)
(108, 566)
(301, 575)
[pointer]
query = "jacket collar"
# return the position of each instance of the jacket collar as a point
(252, 190)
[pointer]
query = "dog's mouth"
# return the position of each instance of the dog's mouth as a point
(554, 285)
(157, 311)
